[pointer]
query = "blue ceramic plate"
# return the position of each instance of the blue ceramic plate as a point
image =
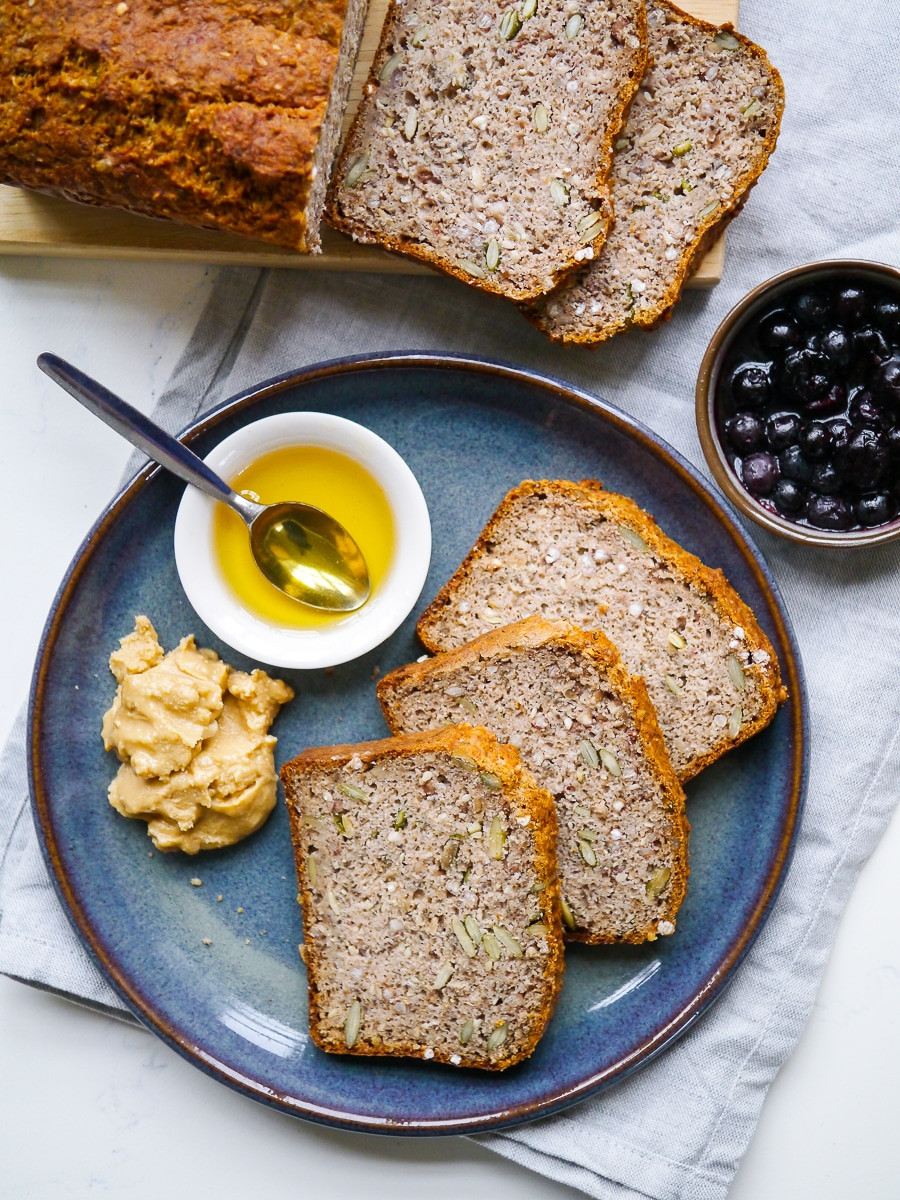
(237, 1008)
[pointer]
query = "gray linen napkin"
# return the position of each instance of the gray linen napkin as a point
(679, 1127)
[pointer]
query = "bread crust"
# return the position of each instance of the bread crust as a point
(708, 582)
(216, 113)
(537, 631)
(708, 231)
(524, 798)
(419, 250)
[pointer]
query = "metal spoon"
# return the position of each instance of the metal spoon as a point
(299, 548)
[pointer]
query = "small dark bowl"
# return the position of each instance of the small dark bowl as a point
(707, 398)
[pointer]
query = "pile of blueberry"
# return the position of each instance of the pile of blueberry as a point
(809, 405)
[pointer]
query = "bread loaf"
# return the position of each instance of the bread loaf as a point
(588, 733)
(699, 133)
(427, 873)
(483, 143)
(223, 114)
(574, 551)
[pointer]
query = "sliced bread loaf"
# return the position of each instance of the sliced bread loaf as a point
(699, 133)
(573, 551)
(431, 913)
(221, 113)
(588, 733)
(484, 139)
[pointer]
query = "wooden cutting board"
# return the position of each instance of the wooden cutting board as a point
(34, 224)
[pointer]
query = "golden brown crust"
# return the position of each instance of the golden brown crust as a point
(707, 232)
(523, 797)
(415, 250)
(208, 113)
(707, 581)
(536, 631)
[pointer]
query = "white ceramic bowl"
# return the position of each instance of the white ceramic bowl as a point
(391, 601)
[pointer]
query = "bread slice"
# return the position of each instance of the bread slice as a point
(431, 911)
(223, 114)
(574, 551)
(699, 133)
(483, 143)
(588, 733)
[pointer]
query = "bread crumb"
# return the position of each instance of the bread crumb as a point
(195, 882)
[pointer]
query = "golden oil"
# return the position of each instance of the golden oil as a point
(314, 475)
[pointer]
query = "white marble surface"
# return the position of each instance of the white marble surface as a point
(90, 1106)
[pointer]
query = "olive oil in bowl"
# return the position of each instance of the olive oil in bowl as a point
(318, 476)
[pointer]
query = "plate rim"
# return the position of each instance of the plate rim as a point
(714, 984)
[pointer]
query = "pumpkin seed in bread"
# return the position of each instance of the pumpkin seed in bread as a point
(427, 874)
(588, 733)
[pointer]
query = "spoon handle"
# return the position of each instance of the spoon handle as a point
(139, 430)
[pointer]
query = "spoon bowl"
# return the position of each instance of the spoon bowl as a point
(310, 557)
(300, 549)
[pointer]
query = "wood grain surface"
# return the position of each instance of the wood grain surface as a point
(31, 223)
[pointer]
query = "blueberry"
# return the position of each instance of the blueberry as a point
(814, 439)
(759, 473)
(852, 305)
(825, 479)
(813, 404)
(886, 315)
(885, 381)
(813, 309)
(837, 346)
(828, 404)
(744, 432)
(864, 459)
(875, 509)
(750, 386)
(782, 429)
(870, 346)
(840, 432)
(864, 411)
(806, 376)
(793, 464)
(788, 497)
(778, 331)
(828, 512)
